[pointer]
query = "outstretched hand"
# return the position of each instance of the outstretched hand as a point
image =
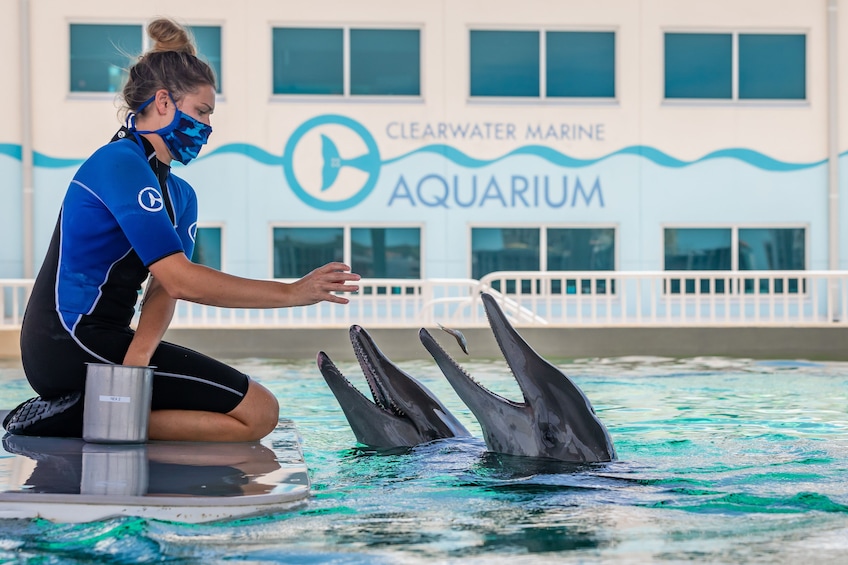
(321, 284)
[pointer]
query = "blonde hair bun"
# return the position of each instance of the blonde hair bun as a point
(168, 35)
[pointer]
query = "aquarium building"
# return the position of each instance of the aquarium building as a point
(451, 140)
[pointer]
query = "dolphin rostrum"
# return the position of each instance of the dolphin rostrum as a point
(555, 420)
(404, 413)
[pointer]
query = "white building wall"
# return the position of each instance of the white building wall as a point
(640, 195)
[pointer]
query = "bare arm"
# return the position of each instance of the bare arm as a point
(183, 280)
(156, 313)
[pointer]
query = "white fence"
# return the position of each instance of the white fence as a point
(592, 298)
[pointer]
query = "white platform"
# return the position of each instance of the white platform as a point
(69, 480)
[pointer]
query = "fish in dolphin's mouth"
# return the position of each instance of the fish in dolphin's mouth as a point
(554, 419)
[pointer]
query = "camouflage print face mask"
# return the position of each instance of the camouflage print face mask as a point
(184, 136)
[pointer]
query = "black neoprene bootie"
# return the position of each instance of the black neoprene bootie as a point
(56, 417)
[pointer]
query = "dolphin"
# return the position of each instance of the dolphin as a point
(555, 419)
(404, 413)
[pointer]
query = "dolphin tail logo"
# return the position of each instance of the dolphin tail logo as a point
(332, 162)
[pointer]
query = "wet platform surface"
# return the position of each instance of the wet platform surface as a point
(70, 480)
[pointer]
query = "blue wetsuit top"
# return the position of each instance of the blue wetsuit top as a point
(117, 219)
(123, 211)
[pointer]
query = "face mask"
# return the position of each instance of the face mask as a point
(184, 136)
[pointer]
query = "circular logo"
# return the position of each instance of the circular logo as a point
(331, 162)
(192, 231)
(150, 199)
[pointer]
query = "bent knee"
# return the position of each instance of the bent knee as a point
(258, 410)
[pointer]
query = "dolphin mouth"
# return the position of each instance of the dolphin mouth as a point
(403, 411)
(554, 418)
(442, 356)
(368, 358)
(374, 375)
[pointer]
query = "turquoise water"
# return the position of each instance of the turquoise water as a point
(720, 460)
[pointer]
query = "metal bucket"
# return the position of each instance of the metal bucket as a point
(115, 470)
(117, 403)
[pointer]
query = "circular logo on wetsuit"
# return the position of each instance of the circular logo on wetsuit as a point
(150, 199)
(349, 162)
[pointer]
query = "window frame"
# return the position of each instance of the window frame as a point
(347, 245)
(734, 240)
(543, 241)
(221, 226)
(734, 99)
(219, 94)
(72, 95)
(543, 98)
(145, 45)
(740, 280)
(346, 96)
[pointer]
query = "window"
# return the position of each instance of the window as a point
(581, 249)
(308, 61)
(565, 249)
(344, 61)
(504, 249)
(100, 54)
(713, 249)
(297, 251)
(208, 41)
(207, 247)
(504, 63)
(580, 64)
(699, 249)
(576, 64)
(373, 252)
(392, 253)
(385, 62)
(765, 249)
(772, 66)
(701, 66)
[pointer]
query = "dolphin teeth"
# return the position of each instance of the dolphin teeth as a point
(370, 377)
(466, 373)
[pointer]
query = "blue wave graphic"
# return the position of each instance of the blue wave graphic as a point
(42, 160)
(250, 151)
(11, 150)
(748, 156)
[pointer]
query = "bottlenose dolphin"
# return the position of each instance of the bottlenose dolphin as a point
(555, 420)
(404, 413)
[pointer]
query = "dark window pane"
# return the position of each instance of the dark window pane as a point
(698, 65)
(207, 247)
(773, 66)
(504, 63)
(503, 249)
(767, 249)
(580, 63)
(581, 249)
(385, 61)
(697, 249)
(308, 61)
(208, 40)
(100, 55)
(392, 253)
(297, 251)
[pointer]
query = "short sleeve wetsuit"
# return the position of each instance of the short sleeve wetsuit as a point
(123, 211)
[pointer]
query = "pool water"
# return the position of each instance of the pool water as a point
(720, 460)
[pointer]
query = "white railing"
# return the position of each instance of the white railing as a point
(590, 298)
(14, 295)
(676, 298)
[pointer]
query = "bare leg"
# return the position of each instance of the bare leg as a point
(254, 418)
